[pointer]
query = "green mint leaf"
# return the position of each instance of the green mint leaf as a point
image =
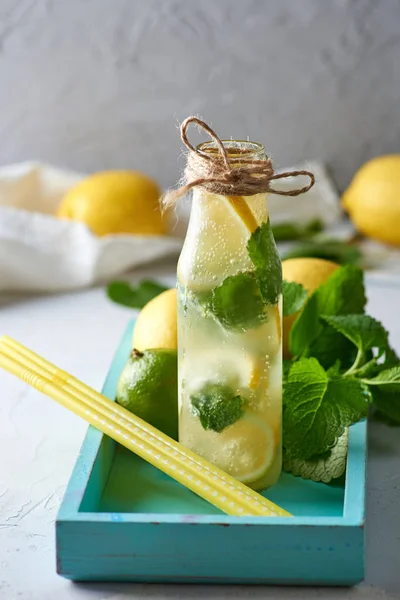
(364, 331)
(123, 293)
(317, 410)
(237, 303)
(387, 403)
(337, 251)
(324, 467)
(342, 293)
(306, 327)
(264, 255)
(370, 368)
(217, 407)
(284, 232)
(294, 296)
(332, 345)
(390, 378)
(286, 366)
(334, 370)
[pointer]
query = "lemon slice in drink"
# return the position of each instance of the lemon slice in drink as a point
(228, 367)
(215, 250)
(245, 450)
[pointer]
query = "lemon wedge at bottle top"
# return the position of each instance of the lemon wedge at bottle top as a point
(214, 236)
(115, 202)
(373, 199)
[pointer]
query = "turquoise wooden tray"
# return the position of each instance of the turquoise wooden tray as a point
(123, 520)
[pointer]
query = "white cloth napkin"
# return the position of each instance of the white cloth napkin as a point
(40, 253)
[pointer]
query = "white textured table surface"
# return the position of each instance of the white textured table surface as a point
(39, 442)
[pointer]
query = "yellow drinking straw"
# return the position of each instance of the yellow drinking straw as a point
(192, 471)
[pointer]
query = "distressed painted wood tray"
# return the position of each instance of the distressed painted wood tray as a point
(123, 520)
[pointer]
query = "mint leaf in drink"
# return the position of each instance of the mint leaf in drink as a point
(217, 407)
(364, 331)
(264, 255)
(387, 403)
(342, 293)
(294, 296)
(237, 303)
(317, 409)
(123, 293)
(324, 467)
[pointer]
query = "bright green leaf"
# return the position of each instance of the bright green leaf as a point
(237, 303)
(342, 293)
(264, 255)
(294, 296)
(217, 407)
(390, 378)
(364, 331)
(305, 328)
(317, 410)
(123, 293)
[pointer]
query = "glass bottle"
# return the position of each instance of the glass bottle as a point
(229, 337)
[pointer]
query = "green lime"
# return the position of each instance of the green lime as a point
(148, 387)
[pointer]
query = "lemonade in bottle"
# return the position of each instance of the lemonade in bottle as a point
(230, 315)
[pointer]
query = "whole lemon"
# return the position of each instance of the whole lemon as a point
(156, 325)
(373, 199)
(310, 272)
(113, 202)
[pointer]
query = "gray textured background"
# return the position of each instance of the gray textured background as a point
(94, 84)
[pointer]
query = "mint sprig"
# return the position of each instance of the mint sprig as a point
(343, 369)
(318, 409)
(390, 378)
(342, 293)
(364, 331)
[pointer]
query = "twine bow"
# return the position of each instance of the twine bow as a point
(226, 175)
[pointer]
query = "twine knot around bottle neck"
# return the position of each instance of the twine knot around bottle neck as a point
(219, 173)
